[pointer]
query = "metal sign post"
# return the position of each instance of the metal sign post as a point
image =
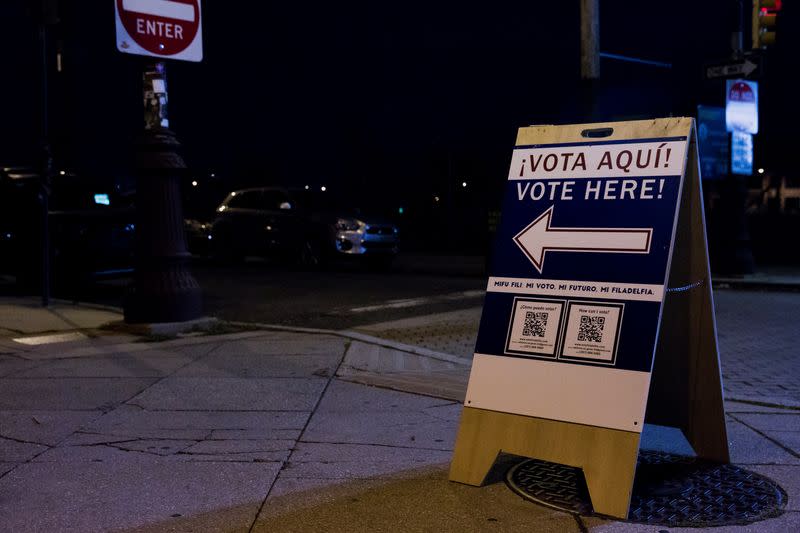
(164, 289)
(600, 269)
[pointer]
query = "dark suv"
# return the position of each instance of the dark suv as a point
(309, 226)
(91, 227)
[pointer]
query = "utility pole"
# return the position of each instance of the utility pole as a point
(737, 256)
(590, 39)
(590, 57)
(737, 35)
(47, 11)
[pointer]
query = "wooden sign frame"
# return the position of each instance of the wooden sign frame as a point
(685, 384)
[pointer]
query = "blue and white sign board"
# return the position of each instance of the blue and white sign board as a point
(597, 220)
(712, 141)
(582, 254)
(742, 153)
(741, 106)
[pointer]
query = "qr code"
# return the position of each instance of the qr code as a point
(591, 328)
(535, 324)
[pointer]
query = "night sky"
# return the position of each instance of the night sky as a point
(402, 97)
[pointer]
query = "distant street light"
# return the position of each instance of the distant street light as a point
(323, 188)
(463, 183)
(194, 183)
(760, 170)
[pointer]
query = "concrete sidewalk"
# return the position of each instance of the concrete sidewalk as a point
(286, 430)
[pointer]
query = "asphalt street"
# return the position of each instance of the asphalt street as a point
(333, 299)
(339, 297)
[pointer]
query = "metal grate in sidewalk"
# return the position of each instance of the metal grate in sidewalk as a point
(669, 490)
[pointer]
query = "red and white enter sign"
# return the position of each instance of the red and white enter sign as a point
(161, 28)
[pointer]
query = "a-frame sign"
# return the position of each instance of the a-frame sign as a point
(599, 313)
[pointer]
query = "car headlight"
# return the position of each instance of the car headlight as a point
(348, 224)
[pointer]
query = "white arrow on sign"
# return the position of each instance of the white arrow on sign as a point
(539, 237)
(731, 69)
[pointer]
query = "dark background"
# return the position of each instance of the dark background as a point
(392, 102)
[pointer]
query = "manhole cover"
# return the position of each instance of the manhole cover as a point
(669, 490)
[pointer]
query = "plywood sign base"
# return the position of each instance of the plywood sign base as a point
(606, 456)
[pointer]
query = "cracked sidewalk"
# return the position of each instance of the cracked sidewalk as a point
(284, 431)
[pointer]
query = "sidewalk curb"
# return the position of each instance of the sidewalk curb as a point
(755, 284)
(163, 328)
(369, 339)
(74, 303)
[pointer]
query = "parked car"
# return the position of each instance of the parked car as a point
(91, 227)
(198, 236)
(311, 227)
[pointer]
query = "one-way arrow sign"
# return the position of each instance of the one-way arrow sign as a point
(539, 237)
(732, 70)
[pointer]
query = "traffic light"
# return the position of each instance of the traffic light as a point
(765, 14)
